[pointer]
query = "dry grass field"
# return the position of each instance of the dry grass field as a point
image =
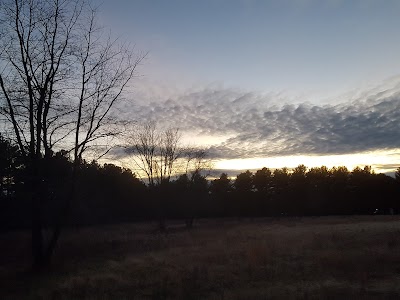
(299, 258)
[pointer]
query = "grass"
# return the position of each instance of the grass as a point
(307, 258)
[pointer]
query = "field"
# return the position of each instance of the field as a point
(289, 258)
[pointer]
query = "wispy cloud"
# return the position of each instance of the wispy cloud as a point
(258, 125)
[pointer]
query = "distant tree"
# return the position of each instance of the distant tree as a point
(298, 179)
(199, 182)
(298, 190)
(340, 176)
(299, 171)
(120, 190)
(280, 190)
(381, 195)
(318, 181)
(221, 185)
(221, 194)
(160, 156)
(280, 180)
(155, 152)
(142, 144)
(359, 176)
(183, 182)
(263, 180)
(107, 194)
(339, 190)
(318, 175)
(196, 161)
(360, 188)
(197, 166)
(397, 174)
(244, 182)
(191, 191)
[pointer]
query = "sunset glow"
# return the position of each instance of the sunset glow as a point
(380, 161)
(270, 83)
(199, 149)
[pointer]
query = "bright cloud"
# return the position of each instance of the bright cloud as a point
(248, 128)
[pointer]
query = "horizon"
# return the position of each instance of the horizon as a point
(136, 135)
(258, 83)
(274, 83)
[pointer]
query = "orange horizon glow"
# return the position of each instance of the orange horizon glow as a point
(382, 161)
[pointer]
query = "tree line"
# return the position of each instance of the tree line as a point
(109, 193)
(308, 192)
(63, 84)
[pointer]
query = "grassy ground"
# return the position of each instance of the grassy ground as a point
(308, 258)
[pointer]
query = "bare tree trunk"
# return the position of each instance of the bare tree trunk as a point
(37, 223)
(37, 232)
(47, 53)
(64, 215)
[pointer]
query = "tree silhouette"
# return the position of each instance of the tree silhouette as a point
(298, 190)
(155, 152)
(221, 185)
(397, 174)
(60, 80)
(244, 182)
(191, 193)
(280, 185)
(160, 156)
(318, 180)
(360, 188)
(10, 162)
(281, 180)
(263, 180)
(108, 193)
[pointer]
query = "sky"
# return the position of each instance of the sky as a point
(269, 83)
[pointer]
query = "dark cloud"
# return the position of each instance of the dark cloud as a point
(216, 173)
(262, 125)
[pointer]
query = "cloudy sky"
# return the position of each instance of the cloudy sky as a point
(270, 83)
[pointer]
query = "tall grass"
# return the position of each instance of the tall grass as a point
(309, 258)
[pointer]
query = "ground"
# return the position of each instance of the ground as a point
(287, 258)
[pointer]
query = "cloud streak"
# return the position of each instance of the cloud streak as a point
(260, 125)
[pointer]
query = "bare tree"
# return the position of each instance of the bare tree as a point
(159, 156)
(142, 144)
(61, 80)
(196, 162)
(155, 153)
(170, 152)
